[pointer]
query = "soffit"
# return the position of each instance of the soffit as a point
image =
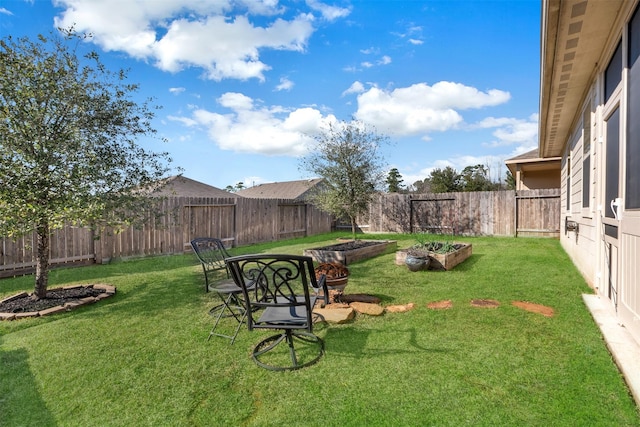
(574, 35)
(537, 165)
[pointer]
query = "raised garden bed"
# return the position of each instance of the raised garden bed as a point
(351, 251)
(440, 261)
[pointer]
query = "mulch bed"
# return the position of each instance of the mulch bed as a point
(25, 302)
(57, 300)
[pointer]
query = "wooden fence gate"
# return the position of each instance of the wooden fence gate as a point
(209, 220)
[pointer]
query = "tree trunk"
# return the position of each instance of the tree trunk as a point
(42, 261)
(353, 227)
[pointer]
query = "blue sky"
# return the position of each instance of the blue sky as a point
(244, 85)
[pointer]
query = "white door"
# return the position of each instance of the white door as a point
(611, 209)
(629, 210)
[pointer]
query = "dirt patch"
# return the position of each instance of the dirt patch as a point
(440, 305)
(534, 308)
(485, 303)
(400, 308)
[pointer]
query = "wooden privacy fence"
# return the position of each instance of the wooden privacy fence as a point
(237, 221)
(242, 221)
(490, 213)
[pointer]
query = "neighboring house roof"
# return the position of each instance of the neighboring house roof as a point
(296, 190)
(179, 185)
(574, 36)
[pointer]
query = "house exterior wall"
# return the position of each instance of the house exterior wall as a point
(533, 180)
(580, 244)
(605, 247)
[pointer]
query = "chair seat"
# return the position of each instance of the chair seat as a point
(225, 286)
(228, 286)
(293, 317)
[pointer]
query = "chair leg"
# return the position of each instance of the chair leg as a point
(231, 304)
(292, 350)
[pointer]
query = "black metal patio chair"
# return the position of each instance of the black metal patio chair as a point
(212, 254)
(280, 292)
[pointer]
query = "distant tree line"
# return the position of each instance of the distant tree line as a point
(233, 188)
(448, 180)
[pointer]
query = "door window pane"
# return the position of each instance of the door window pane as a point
(613, 161)
(568, 207)
(586, 155)
(613, 73)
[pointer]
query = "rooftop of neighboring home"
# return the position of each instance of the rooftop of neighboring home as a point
(295, 190)
(179, 185)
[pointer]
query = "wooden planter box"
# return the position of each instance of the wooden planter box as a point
(373, 248)
(440, 261)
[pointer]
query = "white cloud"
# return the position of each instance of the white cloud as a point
(285, 84)
(4, 11)
(217, 36)
(384, 60)
(413, 34)
(369, 51)
(176, 90)
(421, 109)
(236, 101)
(511, 131)
(252, 181)
(252, 128)
(330, 13)
(356, 87)
(188, 43)
(184, 120)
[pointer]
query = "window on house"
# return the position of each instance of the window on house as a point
(632, 176)
(586, 156)
(613, 73)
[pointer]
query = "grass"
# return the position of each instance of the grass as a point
(141, 357)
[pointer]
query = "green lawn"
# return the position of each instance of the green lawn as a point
(141, 358)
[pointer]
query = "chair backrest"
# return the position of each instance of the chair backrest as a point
(212, 254)
(285, 284)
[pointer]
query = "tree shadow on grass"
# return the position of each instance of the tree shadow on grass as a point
(20, 401)
(97, 273)
(153, 297)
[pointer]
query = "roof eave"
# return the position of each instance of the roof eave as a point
(574, 35)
